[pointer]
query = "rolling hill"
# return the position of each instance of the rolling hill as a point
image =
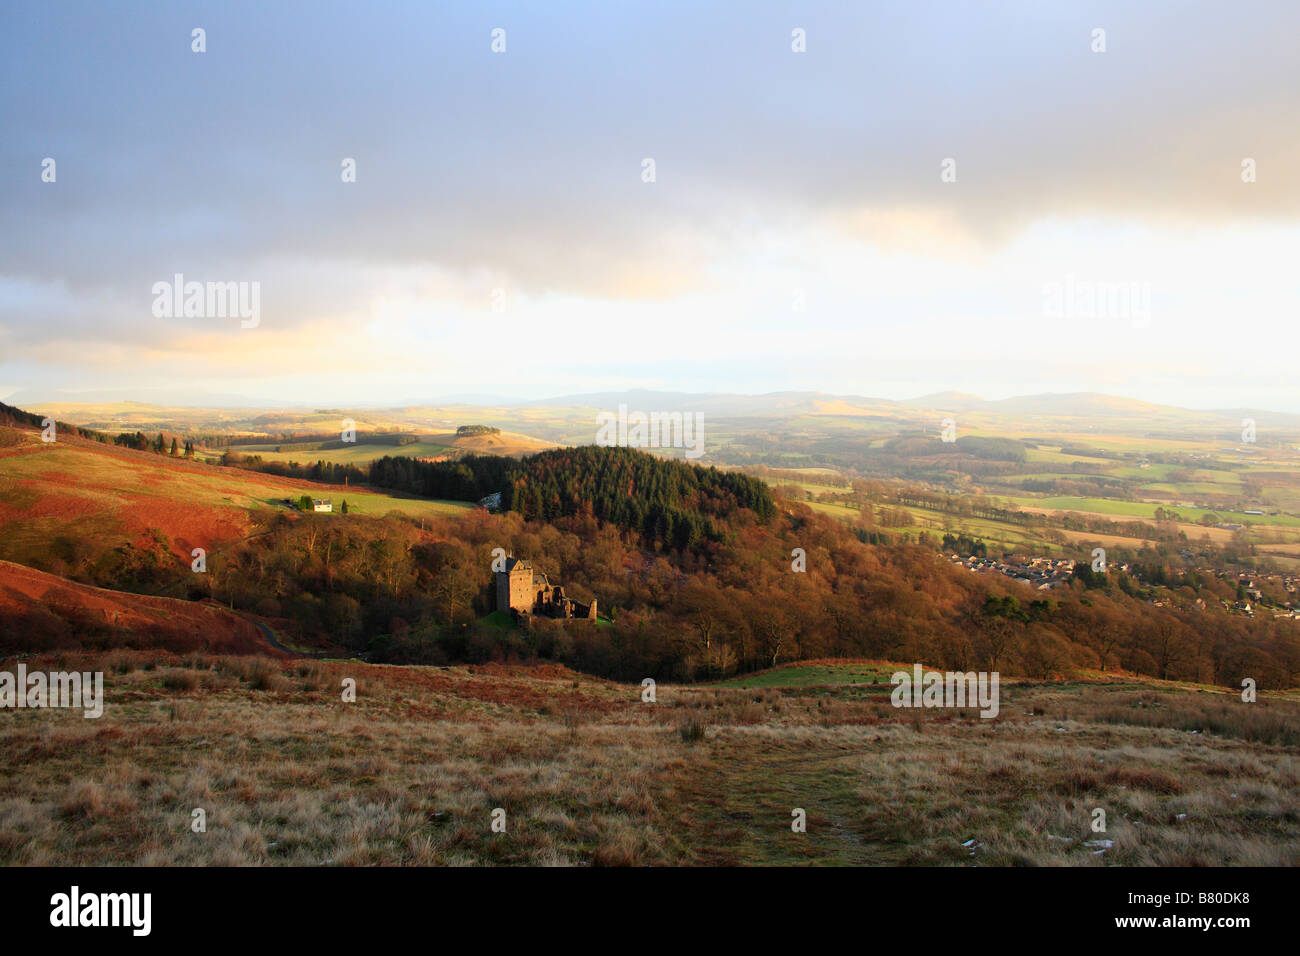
(65, 505)
(41, 612)
(369, 448)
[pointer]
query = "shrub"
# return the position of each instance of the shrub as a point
(692, 731)
(182, 679)
(84, 799)
(259, 673)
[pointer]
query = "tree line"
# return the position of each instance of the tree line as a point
(668, 503)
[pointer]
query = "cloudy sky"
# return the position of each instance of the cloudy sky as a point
(799, 233)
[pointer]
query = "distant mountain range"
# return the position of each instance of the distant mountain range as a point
(773, 405)
(1093, 405)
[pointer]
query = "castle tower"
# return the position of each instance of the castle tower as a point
(515, 591)
(521, 589)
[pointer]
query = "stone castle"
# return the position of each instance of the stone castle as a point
(522, 589)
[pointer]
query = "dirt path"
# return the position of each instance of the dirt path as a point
(733, 804)
(271, 639)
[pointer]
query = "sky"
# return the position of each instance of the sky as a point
(929, 196)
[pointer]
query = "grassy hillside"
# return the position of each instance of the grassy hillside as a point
(586, 773)
(84, 497)
(42, 612)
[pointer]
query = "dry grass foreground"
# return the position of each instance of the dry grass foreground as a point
(287, 773)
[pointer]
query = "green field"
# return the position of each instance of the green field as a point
(1055, 456)
(817, 675)
(499, 620)
(1006, 536)
(378, 504)
(1143, 509)
(360, 454)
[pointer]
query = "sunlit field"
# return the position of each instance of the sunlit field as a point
(587, 773)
